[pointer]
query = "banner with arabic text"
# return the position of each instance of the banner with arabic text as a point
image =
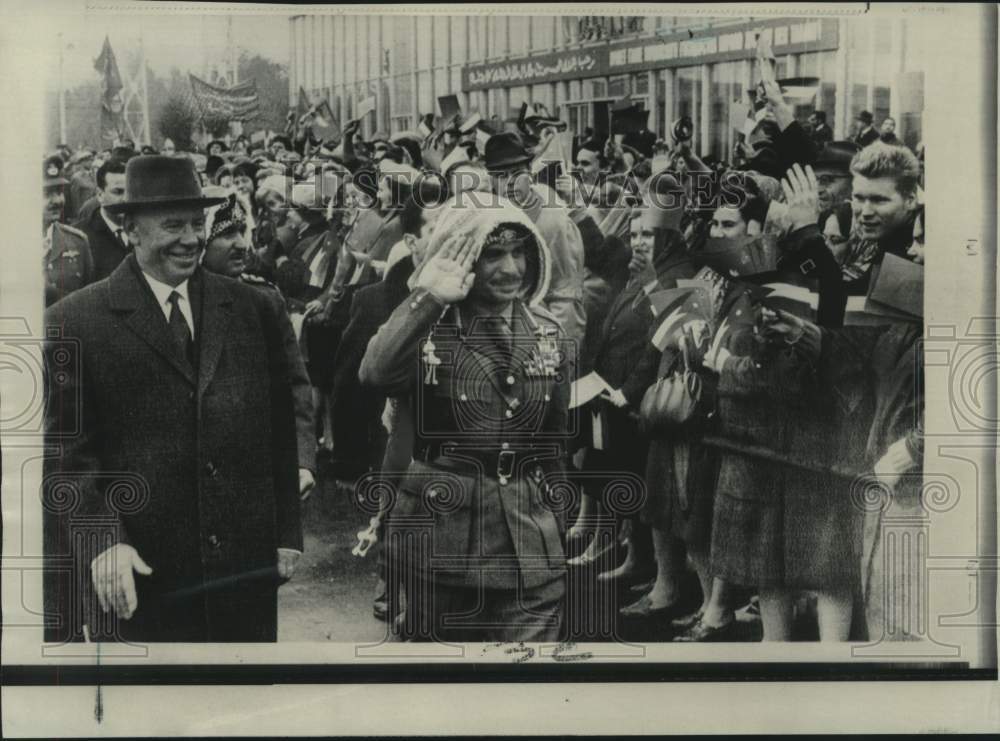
(236, 103)
(560, 65)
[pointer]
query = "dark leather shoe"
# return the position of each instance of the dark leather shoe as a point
(380, 609)
(701, 632)
(643, 609)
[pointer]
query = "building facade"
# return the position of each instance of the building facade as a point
(576, 66)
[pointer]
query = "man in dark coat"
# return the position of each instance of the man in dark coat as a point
(354, 406)
(866, 132)
(105, 232)
(821, 134)
(176, 436)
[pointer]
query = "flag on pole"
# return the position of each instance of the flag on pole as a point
(237, 103)
(112, 107)
(303, 106)
(365, 107)
(558, 149)
(325, 123)
(799, 90)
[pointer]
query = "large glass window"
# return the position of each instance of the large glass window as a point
(440, 23)
(402, 48)
(578, 115)
(725, 96)
(424, 49)
(859, 60)
(687, 81)
(519, 33)
(822, 65)
(542, 94)
(498, 35)
(442, 85)
(596, 88)
(477, 38)
(519, 95)
(460, 26)
(618, 87)
(542, 29)
(350, 48)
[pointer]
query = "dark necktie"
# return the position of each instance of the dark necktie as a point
(120, 236)
(179, 327)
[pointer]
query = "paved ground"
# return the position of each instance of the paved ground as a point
(330, 598)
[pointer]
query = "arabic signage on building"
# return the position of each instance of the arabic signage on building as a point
(564, 65)
(731, 43)
(707, 46)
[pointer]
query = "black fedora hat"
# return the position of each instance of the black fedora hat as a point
(837, 155)
(155, 180)
(504, 152)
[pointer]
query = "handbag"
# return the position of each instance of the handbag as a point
(675, 400)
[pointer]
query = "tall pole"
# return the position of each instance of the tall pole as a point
(62, 96)
(145, 92)
(233, 72)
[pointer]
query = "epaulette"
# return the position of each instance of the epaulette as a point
(72, 230)
(549, 319)
(256, 280)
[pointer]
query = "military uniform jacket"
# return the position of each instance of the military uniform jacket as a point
(490, 410)
(68, 262)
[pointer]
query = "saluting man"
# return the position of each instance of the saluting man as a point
(176, 436)
(482, 369)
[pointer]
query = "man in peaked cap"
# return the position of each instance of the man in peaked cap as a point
(185, 516)
(68, 262)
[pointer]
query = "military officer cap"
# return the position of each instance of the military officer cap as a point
(52, 172)
(84, 155)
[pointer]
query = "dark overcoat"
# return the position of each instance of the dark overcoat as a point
(105, 247)
(196, 469)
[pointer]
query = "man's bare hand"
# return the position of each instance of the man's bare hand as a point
(287, 560)
(784, 114)
(448, 275)
(896, 461)
(111, 572)
(306, 483)
(801, 196)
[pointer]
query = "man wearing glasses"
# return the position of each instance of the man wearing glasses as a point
(833, 175)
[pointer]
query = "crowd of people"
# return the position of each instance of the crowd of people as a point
(499, 341)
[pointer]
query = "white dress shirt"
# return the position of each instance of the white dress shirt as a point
(115, 228)
(162, 292)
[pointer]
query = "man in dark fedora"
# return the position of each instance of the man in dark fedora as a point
(833, 173)
(176, 436)
(866, 132)
(509, 164)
